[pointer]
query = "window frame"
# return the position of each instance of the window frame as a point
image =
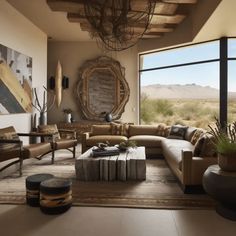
(223, 73)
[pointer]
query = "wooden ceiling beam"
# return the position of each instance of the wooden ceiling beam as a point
(156, 19)
(180, 1)
(165, 19)
(73, 6)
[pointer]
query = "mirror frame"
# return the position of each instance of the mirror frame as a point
(122, 87)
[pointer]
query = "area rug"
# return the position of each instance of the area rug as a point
(160, 190)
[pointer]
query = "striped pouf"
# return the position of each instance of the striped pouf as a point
(55, 195)
(32, 183)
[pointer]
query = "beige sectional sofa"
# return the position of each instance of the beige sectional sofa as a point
(188, 157)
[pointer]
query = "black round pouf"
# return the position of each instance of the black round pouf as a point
(32, 184)
(221, 185)
(55, 195)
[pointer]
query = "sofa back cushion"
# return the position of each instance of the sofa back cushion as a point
(101, 130)
(142, 130)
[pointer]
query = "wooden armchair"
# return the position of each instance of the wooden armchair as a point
(62, 138)
(11, 147)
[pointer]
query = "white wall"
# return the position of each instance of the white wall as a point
(20, 34)
(72, 55)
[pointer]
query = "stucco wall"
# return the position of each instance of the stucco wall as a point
(72, 55)
(20, 34)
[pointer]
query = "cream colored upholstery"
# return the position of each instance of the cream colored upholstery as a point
(178, 153)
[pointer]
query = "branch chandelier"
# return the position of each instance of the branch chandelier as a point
(113, 22)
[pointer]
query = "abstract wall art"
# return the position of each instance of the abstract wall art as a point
(15, 82)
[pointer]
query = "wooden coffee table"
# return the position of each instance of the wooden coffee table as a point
(129, 165)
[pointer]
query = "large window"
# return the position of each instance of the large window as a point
(182, 85)
(231, 80)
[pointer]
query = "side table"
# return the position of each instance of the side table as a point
(221, 185)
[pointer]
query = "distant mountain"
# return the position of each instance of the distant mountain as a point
(176, 91)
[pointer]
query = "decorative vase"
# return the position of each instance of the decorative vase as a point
(68, 117)
(227, 162)
(43, 118)
(108, 117)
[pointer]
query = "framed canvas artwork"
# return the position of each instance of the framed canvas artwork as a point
(15, 82)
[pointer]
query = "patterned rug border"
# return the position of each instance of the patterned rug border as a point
(138, 203)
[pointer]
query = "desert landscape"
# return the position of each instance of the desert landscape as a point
(190, 104)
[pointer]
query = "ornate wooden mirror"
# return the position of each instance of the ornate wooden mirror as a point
(102, 88)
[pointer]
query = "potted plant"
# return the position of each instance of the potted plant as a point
(68, 114)
(123, 146)
(225, 144)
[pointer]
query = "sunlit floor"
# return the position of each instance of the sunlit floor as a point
(23, 220)
(17, 220)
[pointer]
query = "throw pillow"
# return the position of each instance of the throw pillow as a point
(115, 128)
(49, 129)
(198, 146)
(196, 136)
(208, 147)
(161, 130)
(124, 129)
(177, 132)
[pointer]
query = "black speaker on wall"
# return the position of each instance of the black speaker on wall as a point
(52, 82)
(65, 82)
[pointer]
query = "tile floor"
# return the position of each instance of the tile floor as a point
(21, 220)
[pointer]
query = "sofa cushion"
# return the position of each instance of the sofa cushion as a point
(198, 146)
(177, 132)
(189, 133)
(147, 140)
(115, 128)
(101, 129)
(196, 135)
(172, 150)
(142, 130)
(112, 139)
(124, 129)
(205, 146)
(162, 130)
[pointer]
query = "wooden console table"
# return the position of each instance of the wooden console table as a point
(79, 127)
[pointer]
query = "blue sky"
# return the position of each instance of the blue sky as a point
(206, 74)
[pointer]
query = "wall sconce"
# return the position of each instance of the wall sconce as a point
(64, 83)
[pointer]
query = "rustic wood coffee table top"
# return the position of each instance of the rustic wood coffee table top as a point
(128, 165)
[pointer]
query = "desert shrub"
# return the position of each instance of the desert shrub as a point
(147, 113)
(164, 107)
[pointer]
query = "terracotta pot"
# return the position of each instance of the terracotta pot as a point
(227, 162)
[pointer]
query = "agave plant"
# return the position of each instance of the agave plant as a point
(225, 138)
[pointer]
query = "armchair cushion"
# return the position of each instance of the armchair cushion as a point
(49, 129)
(65, 143)
(8, 133)
(37, 149)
